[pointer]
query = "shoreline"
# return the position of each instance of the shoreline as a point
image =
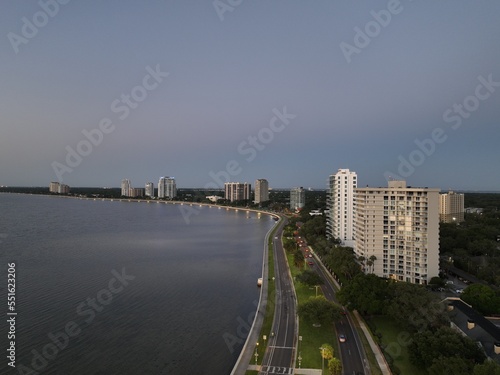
(180, 203)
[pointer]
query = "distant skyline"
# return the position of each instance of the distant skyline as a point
(95, 92)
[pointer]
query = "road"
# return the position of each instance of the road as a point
(280, 353)
(352, 360)
(350, 350)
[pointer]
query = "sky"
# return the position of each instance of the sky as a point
(92, 92)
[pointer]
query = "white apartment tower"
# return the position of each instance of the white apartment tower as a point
(150, 189)
(451, 207)
(167, 188)
(297, 198)
(126, 186)
(261, 190)
(237, 191)
(397, 231)
(340, 201)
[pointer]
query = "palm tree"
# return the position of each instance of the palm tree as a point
(361, 260)
(326, 353)
(334, 366)
(372, 260)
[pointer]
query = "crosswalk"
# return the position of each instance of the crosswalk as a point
(272, 370)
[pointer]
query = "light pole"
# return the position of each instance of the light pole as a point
(256, 354)
(322, 360)
(300, 357)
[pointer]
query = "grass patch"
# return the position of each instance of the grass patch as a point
(251, 372)
(389, 331)
(312, 337)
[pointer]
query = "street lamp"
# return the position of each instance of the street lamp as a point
(322, 359)
(300, 357)
(256, 354)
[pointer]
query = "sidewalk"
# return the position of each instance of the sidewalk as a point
(375, 348)
(297, 371)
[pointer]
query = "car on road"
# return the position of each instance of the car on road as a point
(310, 263)
(342, 338)
(310, 256)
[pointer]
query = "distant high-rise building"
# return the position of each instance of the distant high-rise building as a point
(261, 190)
(63, 189)
(54, 187)
(451, 207)
(126, 186)
(150, 189)
(396, 231)
(237, 191)
(58, 188)
(167, 188)
(136, 192)
(297, 198)
(340, 202)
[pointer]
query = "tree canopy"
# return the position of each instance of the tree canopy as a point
(319, 310)
(309, 278)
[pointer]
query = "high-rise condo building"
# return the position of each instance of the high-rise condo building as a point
(126, 186)
(261, 190)
(237, 191)
(167, 188)
(150, 189)
(451, 207)
(58, 188)
(340, 202)
(297, 198)
(396, 231)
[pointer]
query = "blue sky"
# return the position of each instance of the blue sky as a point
(230, 71)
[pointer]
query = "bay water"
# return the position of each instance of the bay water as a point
(118, 287)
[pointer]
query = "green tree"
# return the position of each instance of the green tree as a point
(437, 282)
(319, 310)
(309, 278)
(298, 258)
(482, 298)
(449, 365)
(366, 293)
(371, 262)
(335, 366)
(414, 308)
(444, 342)
(326, 351)
(487, 368)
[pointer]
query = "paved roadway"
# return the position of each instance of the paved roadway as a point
(350, 352)
(352, 362)
(280, 353)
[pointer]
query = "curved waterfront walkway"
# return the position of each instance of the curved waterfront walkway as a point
(245, 357)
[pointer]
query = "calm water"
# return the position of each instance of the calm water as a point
(185, 285)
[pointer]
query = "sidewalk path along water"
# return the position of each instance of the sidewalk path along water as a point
(247, 352)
